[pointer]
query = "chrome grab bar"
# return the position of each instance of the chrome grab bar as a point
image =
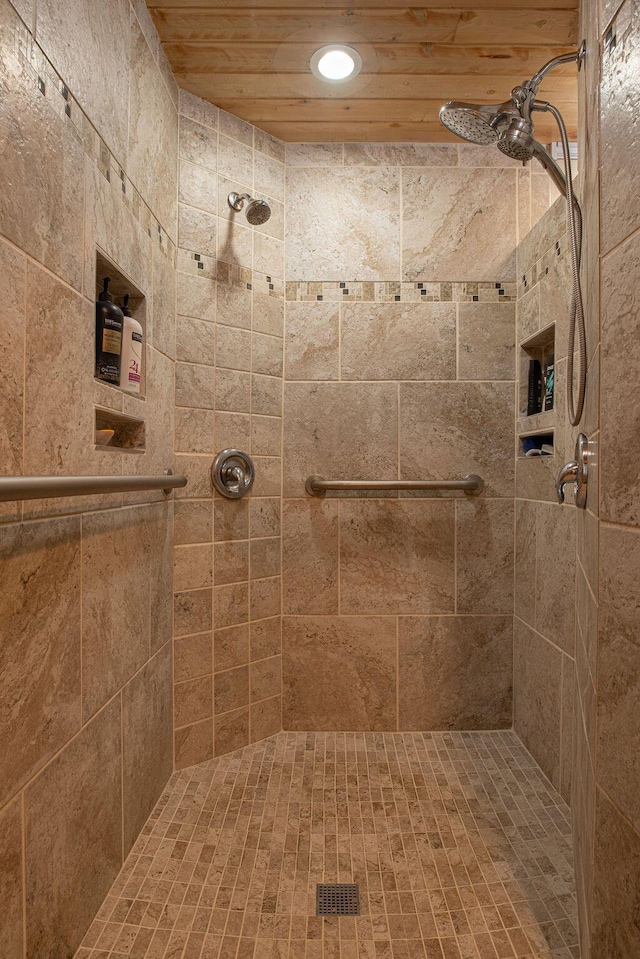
(471, 484)
(44, 487)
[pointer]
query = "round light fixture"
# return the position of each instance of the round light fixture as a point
(336, 63)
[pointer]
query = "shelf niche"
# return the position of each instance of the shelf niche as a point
(128, 432)
(537, 347)
(542, 437)
(119, 286)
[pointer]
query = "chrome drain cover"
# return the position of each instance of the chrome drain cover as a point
(337, 899)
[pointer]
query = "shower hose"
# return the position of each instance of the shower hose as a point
(576, 311)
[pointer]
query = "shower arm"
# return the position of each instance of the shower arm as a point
(576, 56)
(524, 97)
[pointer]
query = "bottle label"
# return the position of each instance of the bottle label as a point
(111, 341)
(135, 362)
(134, 372)
(108, 373)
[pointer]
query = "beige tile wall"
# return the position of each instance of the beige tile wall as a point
(399, 363)
(545, 564)
(227, 582)
(407, 211)
(445, 561)
(381, 595)
(607, 775)
(604, 674)
(89, 124)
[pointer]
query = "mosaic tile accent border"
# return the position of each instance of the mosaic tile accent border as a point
(55, 91)
(229, 273)
(542, 266)
(389, 291)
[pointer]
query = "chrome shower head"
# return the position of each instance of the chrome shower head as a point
(469, 121)
(509, 125)
(517, 141)
(257, 212)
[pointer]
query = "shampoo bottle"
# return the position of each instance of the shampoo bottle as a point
(132, 348)
(534, 392)
(109, 320)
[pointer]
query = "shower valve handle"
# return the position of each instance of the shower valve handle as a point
(233, 473)
(568, 474)
(576, 473)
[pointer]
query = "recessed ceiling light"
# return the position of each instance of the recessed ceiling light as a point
(336, 63)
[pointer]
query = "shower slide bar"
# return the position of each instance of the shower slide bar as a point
(318, 486)
(43, 487)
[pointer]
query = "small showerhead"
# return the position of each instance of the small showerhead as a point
(470, 121)
(517, 141)
(257, 212)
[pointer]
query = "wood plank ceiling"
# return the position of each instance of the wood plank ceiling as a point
(252, 59)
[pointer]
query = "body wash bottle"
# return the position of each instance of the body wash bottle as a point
(132, 349)
(109, 321)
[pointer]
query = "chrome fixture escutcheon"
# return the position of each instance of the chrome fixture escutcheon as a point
(577, 473)
(233, 473)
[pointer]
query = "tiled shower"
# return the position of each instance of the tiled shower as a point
(209, 705)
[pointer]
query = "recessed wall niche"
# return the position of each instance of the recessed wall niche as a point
(538, 426)
(120, 286)
(118, 431)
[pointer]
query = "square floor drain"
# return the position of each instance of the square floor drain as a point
(337, 899)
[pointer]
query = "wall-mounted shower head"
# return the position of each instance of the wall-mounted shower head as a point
(257, 212)
(510, 125)
(477, 123)
(470, 121)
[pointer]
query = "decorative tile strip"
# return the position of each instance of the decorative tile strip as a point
(47, 80)
(389, 291)
(543, 266)
(233, 275)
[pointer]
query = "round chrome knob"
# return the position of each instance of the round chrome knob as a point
(233, 473)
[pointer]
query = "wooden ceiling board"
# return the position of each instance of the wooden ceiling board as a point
(252, 59)
(328, 111)
(277, 60)
(380, 132)
(545, 5)
(248, 87)
(373, 25)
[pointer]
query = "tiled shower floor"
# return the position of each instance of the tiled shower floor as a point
(460, 845)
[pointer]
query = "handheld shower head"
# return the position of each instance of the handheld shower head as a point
(257, 212)
(517, 141)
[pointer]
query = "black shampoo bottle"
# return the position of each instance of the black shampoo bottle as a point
(109, 321)
(534, 393)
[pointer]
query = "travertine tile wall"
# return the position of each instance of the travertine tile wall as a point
(400, 362)
(607, 770)
(227, 583)
(545, 566)
(88, 125)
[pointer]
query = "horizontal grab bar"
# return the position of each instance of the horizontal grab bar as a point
(43, 487)
(317, 486)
